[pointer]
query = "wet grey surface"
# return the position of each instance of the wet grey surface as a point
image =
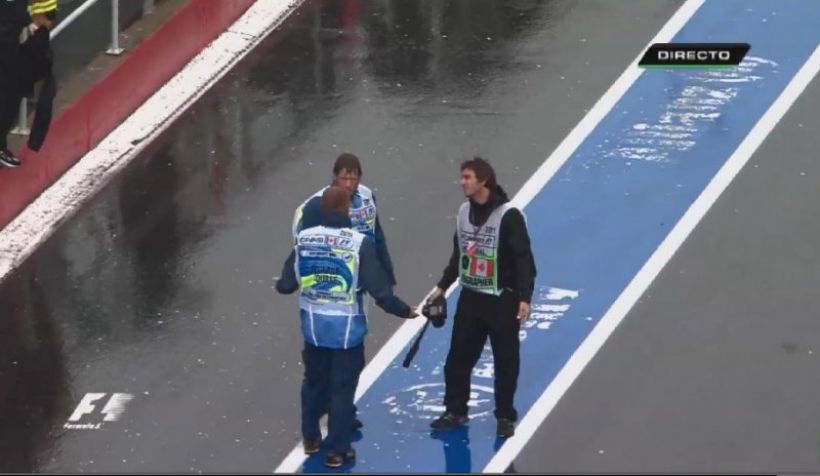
(162, 287)
(715, 369)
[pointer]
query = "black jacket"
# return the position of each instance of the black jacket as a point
(516, 266)
(13, 17)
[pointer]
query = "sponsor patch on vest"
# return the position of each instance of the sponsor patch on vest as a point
(327, 240)
(363, 214)
(476, 282)
(471, 249)
(482, 240)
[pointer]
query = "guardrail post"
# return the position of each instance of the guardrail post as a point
(115, 29)
(22, 121)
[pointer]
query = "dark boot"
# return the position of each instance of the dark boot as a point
(448, 421)
(336, 460)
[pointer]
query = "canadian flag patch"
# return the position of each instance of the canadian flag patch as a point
(481, 267)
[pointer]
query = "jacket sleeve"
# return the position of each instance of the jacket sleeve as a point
(311, 214)
(288, 284)
(451, 271)
(514, 229)
(382, 253)
(373, 279)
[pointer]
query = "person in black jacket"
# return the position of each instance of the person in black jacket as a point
(13, 18)
(493, 261)
(22, 66)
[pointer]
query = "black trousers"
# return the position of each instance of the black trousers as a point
(479, 316)
(10, 90)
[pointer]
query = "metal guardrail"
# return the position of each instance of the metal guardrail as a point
(113, 49)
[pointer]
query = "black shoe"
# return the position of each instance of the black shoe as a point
(336, 460)
(311, 446)
(448, 421)
(505, 428)
(8, 159)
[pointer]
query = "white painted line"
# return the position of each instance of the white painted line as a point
(20, 238)
(596, 339)
(562, 153)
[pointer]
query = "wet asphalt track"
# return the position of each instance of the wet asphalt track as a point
(162, 286)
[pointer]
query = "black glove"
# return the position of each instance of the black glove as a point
(436, 311)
